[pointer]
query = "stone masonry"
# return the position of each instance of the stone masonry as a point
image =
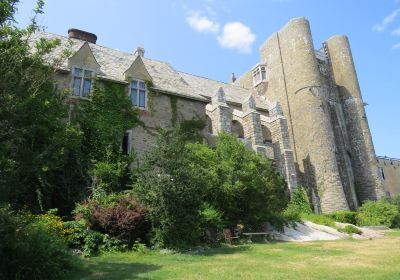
(299, 107)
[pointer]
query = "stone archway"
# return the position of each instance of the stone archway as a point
(237, 129)
(266, 134)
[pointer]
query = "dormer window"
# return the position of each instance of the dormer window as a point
(82, 81)
(259, 74)
(138, 93)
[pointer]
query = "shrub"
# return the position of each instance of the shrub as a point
(395, 201)
(321, 219)
(119, 216)
(89, 241)
(349, 217)
(299, 204)
(211, 218)
(181, 175)
(126, 220)
(350, 229)
(31, 248)
(240, 183)
(172, 190)
(377, 213)
(211, 223)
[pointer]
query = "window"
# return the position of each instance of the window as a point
(125, 144)
(82, 82)
(138, 93)
(382, 173)
(259, 74)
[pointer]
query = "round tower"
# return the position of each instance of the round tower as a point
(367, 182)
(309, 120)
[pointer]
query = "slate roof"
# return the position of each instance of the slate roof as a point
(165, 78)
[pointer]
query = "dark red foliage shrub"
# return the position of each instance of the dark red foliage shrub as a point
(125, 220)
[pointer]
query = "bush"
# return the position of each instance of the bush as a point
(350, 229)
(211, 218)
(119, 216)
(377, 213)
(89, 241)
(299, 204)
(126, 220)
(321, 219)
(395, 201)
(241, 184)
(31, 248)
(181, 175)
(349, 217)
(172, 190)
(211, 223)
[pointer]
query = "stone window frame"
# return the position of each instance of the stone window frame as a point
(381, 173)
(138, 90)
(259, 74)
(83, 79)
(127, 140)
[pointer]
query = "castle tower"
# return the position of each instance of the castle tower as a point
(362, 153)
(295, 82)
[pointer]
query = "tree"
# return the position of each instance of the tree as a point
(35, 142)
(47, 159)
(241, 184)
(184, 180)
(170, 190)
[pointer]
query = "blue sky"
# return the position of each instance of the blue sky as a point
(213, 38)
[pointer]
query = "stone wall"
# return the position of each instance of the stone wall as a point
(390, 175)
(295, 82)
(160, 114)
(362, 153)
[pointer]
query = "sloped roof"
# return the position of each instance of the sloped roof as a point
(165, 78)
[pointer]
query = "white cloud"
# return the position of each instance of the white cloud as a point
(202, 23)
(396, 46)
(236, 35)
(396, 32)
(386, 21)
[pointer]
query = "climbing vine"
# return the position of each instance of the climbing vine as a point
(150, 96)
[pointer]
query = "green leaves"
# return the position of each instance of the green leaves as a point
(188, 186)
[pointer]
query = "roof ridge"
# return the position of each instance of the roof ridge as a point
(229, 84)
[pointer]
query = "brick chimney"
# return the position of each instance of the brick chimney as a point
(82, 35)
(139, 51)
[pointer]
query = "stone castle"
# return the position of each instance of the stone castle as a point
(300, 107)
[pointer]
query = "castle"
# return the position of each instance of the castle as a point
(300, 107)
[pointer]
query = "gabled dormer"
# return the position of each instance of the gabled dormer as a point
(84, 58)
(84, 68)
(137, 75)
(137, 70)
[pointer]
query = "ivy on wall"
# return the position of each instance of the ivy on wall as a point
(150, 95)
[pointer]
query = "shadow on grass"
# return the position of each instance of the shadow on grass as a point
(112, 270)
(223, 250)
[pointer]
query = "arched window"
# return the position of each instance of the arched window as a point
(266, 134)
(237, 129)
(209, 126)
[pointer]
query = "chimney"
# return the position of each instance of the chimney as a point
(139, 51)
(233, 78)
(82, 35)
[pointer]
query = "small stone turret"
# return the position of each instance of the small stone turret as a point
(362, 153)
(221, 114)
(295, 81)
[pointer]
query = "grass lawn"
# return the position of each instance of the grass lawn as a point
(344, 259)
